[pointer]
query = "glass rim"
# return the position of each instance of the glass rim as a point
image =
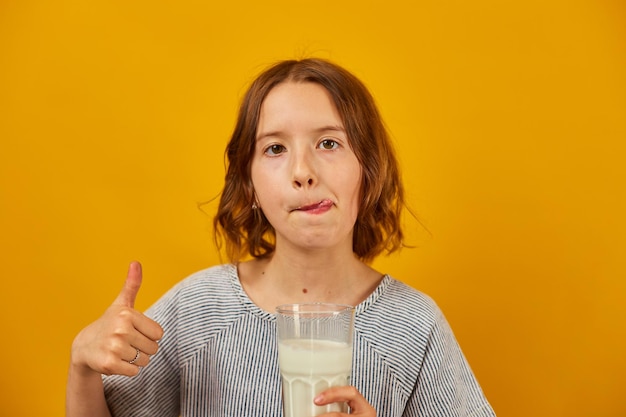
(313, 308)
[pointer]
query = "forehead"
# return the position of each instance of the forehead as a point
(298, 105)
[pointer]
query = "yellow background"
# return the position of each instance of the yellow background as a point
(509, 118)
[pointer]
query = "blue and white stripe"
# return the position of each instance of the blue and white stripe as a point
(219, 356)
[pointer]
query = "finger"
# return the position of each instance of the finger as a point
(348, 394)
(128, 294)
(126, 369)
(135, 358)
(144, 344)
(143, 360)
(147, 327)
(119, 363)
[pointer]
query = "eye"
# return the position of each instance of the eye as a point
(274, 150)
(328, 144)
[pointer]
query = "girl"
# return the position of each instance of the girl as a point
(312, 194)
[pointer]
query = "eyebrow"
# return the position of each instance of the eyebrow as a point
(279, 133)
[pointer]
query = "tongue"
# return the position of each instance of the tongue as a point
(323, 203)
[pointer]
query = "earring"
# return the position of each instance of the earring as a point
(254, 201)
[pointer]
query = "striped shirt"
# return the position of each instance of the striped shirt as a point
(219, 357)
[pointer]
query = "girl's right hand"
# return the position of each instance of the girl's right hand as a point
(122, 340)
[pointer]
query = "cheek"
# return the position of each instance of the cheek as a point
(358, 193)
(264, 187)
(353, 177)
(351, 187)
(357, 198)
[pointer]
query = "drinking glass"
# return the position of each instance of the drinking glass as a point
(314, 353)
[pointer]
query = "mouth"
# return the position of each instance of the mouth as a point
(316, 207)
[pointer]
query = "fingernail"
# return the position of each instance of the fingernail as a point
(319, 399)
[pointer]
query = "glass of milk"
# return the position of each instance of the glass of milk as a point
(314, 353)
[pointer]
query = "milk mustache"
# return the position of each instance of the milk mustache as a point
(308, 367)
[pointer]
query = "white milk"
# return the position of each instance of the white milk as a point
(308, 367)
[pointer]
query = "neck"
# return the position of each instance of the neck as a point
(314, 276)
(316, 272)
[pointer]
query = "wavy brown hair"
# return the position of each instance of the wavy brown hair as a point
(246, 231)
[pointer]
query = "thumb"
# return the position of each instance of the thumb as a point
(131, 287)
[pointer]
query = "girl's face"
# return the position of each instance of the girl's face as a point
(305, 175)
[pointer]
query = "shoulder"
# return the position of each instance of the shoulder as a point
(398, 318)
(199, 308)
(394, 327)
(400, 305)
(210, 282)
(214, 281)
(407, 295)
(204, 292)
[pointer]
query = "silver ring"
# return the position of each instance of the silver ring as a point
(135, 358)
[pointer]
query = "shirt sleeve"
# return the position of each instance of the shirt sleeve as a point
(155, 391)
(446, 386)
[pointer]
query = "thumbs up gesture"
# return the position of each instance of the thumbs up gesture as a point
(122, 339)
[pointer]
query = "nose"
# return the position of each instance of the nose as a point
(298, 183)
(303, 171)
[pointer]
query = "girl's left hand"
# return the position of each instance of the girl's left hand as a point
(350, 395)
